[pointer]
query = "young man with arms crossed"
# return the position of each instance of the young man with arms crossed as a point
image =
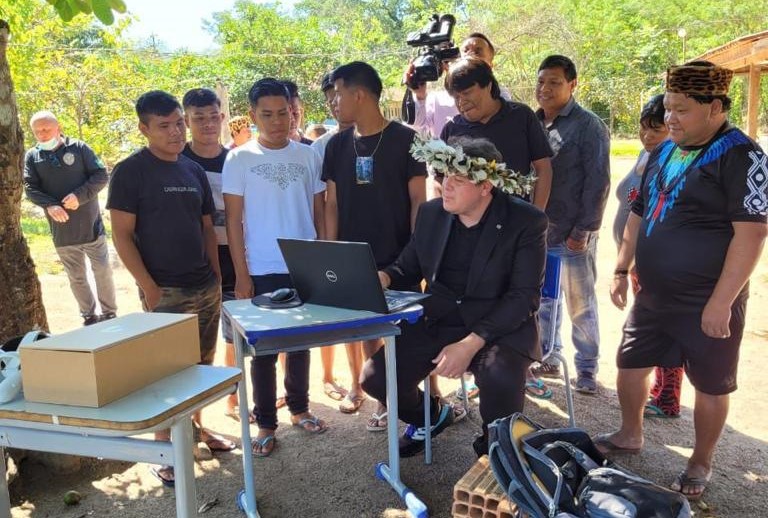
(161, 205)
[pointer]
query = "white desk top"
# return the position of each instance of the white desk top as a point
(138, 410)
(257, 322)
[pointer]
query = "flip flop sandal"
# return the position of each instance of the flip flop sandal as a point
(318, 426)
(459, 411)
(350, 405)
(334, 391)
(219, 443)
(263, 444)
(652, 410)
(606, 446)
(683, 481)
(379, 422)
(537, 389)
(161, 474)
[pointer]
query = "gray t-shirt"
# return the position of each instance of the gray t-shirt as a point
(626, 192)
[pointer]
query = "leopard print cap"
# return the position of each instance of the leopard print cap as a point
(236, 124)
(699, 80)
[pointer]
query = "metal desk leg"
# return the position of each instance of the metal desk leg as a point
(183, 468)
(391, 472)
(246, 499)
(5, 499)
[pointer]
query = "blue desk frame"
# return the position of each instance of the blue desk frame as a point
(262, 331)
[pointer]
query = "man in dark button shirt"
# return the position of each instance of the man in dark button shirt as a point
(481, 252)
(512, 127)
(696, 231)
(64, 176)
(580, 182)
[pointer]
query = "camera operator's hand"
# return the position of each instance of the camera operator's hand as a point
(421, 91)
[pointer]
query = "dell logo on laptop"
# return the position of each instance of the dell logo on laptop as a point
(331, 276)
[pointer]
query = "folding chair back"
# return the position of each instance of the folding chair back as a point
(552, 291)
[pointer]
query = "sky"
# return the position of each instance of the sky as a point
(178, 24)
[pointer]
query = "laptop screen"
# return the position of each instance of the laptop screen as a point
(334, 273)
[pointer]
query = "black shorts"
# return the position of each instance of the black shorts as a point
(662, 339)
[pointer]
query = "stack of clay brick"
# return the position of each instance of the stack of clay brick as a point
(478, 495)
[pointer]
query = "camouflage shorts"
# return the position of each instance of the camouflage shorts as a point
(205, 302)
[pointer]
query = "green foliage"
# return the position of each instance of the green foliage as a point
(90, 75)
(102, 9)
(625, 148)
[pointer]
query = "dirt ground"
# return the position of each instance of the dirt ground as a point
(332, 475)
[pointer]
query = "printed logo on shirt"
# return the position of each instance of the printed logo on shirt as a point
(756, 200)
(183, 188)
(68, 158)
(555, 141)
(282, 175)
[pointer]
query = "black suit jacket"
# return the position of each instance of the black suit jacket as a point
(505, 277)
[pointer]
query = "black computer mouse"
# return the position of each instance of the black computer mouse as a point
(283, 295)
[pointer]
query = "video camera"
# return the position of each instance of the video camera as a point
(435, 39)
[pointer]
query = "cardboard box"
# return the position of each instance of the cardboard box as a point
(94, 365)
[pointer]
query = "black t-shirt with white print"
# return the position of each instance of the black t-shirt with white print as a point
(169, 200)
(213, 168)
(687, 215)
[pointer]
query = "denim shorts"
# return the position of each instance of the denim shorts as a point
(205, 302)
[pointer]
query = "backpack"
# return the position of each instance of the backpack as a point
(559, 472)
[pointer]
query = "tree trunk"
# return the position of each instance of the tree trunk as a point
(21, 300)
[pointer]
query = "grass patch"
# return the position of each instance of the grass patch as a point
(625, 148)
(38, 235)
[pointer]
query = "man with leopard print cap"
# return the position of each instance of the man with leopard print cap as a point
(697, 229)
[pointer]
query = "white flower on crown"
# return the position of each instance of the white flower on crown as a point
(444, 159)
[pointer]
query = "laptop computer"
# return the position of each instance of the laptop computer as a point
(341, 274)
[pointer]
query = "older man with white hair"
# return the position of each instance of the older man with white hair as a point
(64, 176)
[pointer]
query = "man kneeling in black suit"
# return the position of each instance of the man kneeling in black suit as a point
(481, 252)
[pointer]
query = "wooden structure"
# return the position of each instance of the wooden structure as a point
(748, 56)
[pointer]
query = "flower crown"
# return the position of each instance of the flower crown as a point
(450, 161)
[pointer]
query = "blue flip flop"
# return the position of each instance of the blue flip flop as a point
(534, 387)
(652, 410)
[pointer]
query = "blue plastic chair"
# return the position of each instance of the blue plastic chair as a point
(551, 290)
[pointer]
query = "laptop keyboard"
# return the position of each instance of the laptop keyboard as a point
(397, 300)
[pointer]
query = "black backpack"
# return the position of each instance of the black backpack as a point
(559, 472)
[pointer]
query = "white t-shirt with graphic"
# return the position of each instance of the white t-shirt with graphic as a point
(278, 187)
